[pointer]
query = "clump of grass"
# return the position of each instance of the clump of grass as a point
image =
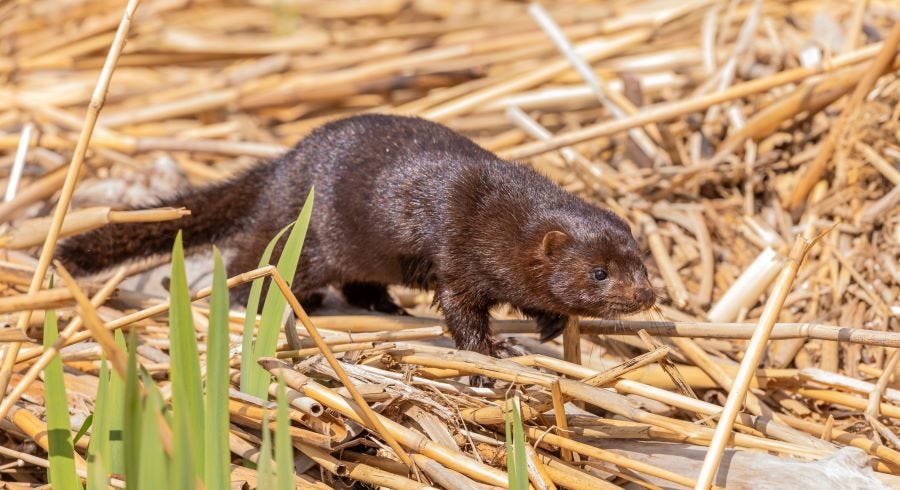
(185, 445)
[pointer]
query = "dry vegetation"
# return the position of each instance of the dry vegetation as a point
(723, 130)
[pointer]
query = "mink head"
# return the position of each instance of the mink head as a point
(593, 267)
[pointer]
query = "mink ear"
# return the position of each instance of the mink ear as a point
(552, 242)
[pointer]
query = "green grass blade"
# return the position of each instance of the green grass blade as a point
(187, 392)
(114, 454)
(98, 448)
(284, 452)
(265, 478)
(85, 426)
(252, 308)
(516, 464)
(59, 434)
(154, 465)
(217, 464)
(131, 424)
(273, 309)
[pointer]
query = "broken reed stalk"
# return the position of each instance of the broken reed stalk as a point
(74, 169)
(752, 355)
(32, 232)
(815, 169)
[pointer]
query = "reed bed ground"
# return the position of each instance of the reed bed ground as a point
(753, 145)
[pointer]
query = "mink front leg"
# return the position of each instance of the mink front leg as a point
(550, 325)
(468, 318)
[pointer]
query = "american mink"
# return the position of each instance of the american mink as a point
(401, 200)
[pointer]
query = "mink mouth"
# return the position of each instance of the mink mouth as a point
(609, 308)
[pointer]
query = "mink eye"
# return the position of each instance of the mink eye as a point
(599, 274)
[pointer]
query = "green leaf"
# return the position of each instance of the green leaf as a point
(59, 434)
(265, 478)
(88, 422)
(154, 464)
(131, 424)
(98, 448)
(114, 453)
(250, 317)
(187, 392)
(218, 459)
(516, 464)
(274, 307)
(284, 452)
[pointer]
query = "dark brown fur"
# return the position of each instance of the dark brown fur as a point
(405, 201)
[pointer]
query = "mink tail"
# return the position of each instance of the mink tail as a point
(216, 211)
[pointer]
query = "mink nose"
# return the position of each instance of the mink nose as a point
(645, 297)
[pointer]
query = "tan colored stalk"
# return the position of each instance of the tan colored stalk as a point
(674, 284)
(877, 161)
(747, 288)
(74, 169)
(611, 375)
(874, 404)
(309, 351)
(32, 232)
(572, 340)
(43, 300)
(667, 366)
(559, 414)
(714, 330)
(849, 400)
(15, 174)
(752, 355)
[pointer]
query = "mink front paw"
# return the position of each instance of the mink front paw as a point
(504, 348)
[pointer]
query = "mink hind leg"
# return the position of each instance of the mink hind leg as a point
(550, 325)
(371, 296)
